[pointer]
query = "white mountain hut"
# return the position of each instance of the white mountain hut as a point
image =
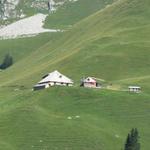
(90, 82)
(52, 79)
(135, 89)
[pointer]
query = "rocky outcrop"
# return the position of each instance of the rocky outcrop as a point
(8, 9)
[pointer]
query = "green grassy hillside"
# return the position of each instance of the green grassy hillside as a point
(107, 41)
(113, 44)
(39, 120)
(72, 12)
(20, 48)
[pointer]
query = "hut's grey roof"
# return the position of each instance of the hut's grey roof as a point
(89, 80)
(42, 84)
(56, 77)
(134, 87)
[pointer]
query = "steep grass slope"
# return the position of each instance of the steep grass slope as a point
(113, 44)
(108, 41)
(72, 12)
(39, 120)
(20, 48)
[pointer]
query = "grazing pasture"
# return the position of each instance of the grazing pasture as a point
(110, 43)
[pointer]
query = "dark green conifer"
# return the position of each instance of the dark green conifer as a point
(132, 141)
(7, 62)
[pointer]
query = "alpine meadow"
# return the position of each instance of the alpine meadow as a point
(105, 39)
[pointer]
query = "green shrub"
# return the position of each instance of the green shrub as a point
(7, 62)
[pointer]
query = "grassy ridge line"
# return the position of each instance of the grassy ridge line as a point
(41, 48)
(84, 31)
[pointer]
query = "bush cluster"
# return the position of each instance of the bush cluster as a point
(7, 62)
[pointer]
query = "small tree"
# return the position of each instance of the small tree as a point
(7, 62)
(132, 141)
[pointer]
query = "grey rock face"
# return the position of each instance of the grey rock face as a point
(8, 8)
